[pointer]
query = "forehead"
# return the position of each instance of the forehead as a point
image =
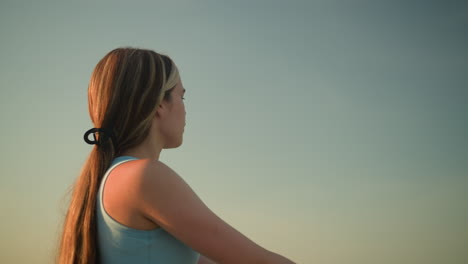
(179, 87)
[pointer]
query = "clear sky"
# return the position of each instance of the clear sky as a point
(326, 131)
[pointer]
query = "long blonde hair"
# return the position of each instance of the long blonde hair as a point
(124, 92)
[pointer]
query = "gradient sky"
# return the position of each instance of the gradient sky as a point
(326, 131)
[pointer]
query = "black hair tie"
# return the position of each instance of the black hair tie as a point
(102, 134)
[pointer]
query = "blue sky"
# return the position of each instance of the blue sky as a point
(327, 131)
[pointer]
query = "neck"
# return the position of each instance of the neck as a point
(148, 149)
(141, 154)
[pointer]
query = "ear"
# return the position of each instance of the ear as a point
(162, 109)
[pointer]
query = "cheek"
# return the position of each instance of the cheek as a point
(183, 109)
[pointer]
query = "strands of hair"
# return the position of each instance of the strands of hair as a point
(122, 95)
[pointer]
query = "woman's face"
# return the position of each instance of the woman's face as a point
(173, 124)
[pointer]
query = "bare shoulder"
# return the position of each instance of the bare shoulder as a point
(135, 177)
(122, 192)
(158, 185)
(162, 196)
(142, 171)
(155, 174)
(139, 179)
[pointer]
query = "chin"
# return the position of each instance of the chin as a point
(173, 145)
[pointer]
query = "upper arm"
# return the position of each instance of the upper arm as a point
(166, 199)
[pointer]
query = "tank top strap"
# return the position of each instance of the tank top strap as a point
(116, 162)
(120, 244)
(121, 159)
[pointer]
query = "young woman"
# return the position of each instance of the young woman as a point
(127, 206)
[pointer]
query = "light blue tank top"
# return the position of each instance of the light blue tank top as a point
(119, 244)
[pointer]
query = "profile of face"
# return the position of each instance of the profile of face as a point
(171, 117)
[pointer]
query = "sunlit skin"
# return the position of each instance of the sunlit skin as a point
(142, 194)
(166, 132)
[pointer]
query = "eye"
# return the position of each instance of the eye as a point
(183, 98)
